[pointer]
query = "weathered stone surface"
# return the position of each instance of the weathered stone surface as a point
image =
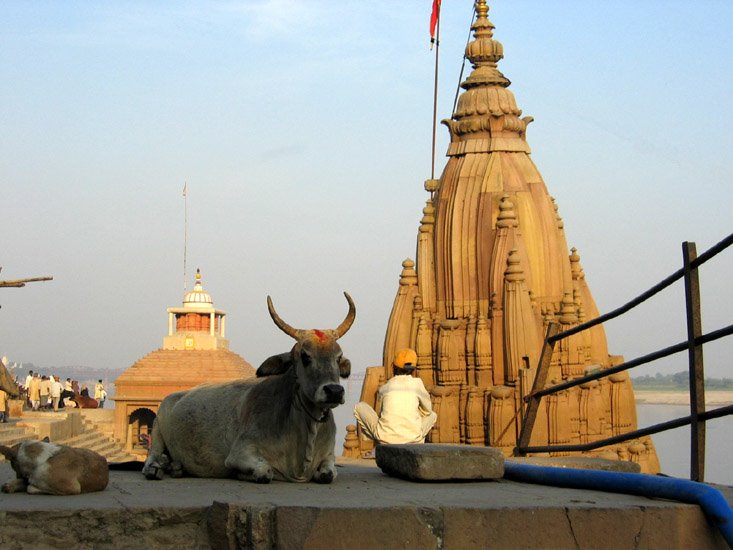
(583, 523)
(440, 462)
(235, 526)
(108, 528)
(582, 462)
(402, 527)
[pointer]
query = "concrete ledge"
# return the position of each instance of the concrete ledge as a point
(362, 508)
(440, 462)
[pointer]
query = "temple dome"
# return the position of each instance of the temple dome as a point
(198, 297)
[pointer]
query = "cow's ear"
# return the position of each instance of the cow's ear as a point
(7, 452)
(277, 364)
(344, 367)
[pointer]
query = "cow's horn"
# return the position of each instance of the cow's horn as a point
(282, 325)
(350, 316)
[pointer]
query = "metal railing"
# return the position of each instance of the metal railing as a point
(694, 346)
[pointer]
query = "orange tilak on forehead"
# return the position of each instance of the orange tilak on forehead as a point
(321, 336)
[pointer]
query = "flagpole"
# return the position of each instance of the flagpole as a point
(185, 232)
(435, 94)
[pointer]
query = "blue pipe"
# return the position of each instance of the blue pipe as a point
(712, 502)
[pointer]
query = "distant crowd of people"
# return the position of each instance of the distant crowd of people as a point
(47, 392)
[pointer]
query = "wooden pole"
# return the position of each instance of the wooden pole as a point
(18, 283)
(540, 380)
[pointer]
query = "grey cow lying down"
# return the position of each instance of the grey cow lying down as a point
(277, 426)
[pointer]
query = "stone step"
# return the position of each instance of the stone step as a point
(95, 442)
(81, 440)
(12, 434)
(9, 442)
(99, 429)
(10, 431)
(122, 457)
(99, 443)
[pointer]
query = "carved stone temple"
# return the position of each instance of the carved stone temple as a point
(493, 268)
(194, 351)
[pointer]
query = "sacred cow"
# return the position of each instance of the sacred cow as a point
(81, 401)
(277, 426)
(42, 467)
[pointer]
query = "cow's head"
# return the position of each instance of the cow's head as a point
(10, 454)
(316, 359)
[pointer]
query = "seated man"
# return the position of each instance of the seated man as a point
(407, 414)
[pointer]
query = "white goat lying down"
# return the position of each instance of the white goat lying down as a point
(47, 468)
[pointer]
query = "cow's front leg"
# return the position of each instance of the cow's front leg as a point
(155, 465)
(248, 463)
(326, 471)
(17, 485)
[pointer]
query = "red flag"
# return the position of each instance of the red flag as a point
(434, 16)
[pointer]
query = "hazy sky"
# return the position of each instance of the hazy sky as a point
(303, 132)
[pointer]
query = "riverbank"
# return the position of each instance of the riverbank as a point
(654, 397)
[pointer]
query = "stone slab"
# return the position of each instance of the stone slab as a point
(440, 462)
(581, 462)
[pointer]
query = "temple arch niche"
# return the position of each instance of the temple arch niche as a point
(140, 423)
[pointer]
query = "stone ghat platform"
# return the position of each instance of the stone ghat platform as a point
(363, 508)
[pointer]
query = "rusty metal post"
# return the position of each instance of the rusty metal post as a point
(540, 380)
(696, 367)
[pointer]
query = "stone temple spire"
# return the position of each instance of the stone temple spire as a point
(487, 116)
(493, 268)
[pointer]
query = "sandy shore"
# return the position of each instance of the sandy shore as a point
(712, 398)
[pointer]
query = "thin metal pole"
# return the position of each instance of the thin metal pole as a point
(185, 232)
(463, 64)
(696, 367)
(701, 259)
(644, 359)
(435, 95)
(650, 430)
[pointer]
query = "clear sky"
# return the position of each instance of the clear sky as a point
(303, 132)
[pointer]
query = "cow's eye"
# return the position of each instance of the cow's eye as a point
(305, 358)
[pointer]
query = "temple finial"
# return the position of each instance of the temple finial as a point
(482, 9)
(484, 52)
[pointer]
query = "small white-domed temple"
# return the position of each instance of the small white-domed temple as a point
(194, 351)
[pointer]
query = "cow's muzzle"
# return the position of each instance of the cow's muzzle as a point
(334, 393)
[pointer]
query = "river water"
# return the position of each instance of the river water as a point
(673, 447)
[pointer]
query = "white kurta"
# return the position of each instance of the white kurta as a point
(406, 416)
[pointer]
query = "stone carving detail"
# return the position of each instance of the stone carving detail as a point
(482, 350)
(451, 354)
(502, 418)
(475, 428)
